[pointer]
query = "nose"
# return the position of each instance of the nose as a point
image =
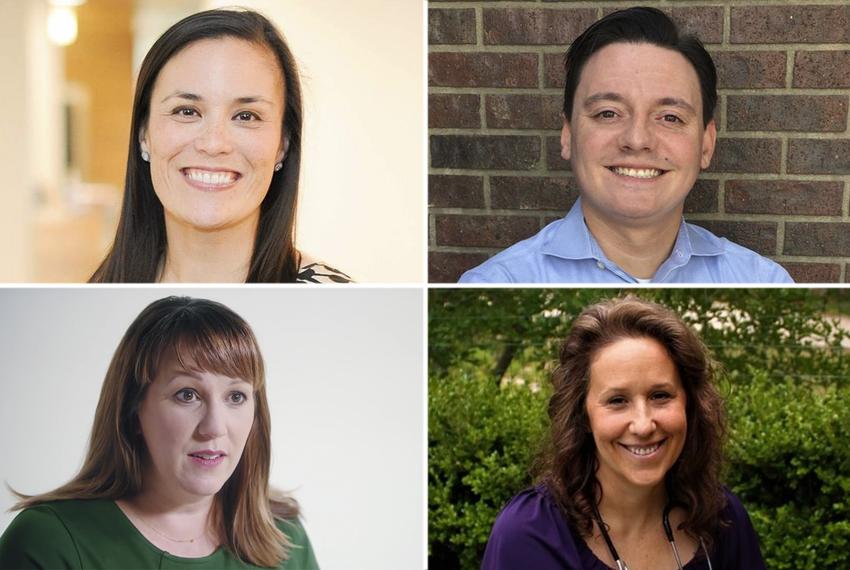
(637, 135)
(214, 138)
(212, 424)
(642, 422)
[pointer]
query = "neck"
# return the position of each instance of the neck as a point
(628, 511)
(172, 518)
(639, 249)
(218, 256)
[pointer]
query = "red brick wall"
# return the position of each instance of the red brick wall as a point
(779, 182)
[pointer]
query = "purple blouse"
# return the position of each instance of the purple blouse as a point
(531, 532)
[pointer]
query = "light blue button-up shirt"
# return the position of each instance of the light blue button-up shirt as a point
(566, 252)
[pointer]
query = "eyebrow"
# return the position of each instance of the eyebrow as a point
(664, 101)
(664, 385)
(196, 97)
(196, 375)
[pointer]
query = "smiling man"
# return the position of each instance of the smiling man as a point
(638, 127)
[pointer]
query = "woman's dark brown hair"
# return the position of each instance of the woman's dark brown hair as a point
(140, 241)
(568, 464)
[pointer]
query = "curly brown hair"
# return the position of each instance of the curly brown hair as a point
(568, 463)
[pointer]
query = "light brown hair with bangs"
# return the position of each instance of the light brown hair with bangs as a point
(205, 336)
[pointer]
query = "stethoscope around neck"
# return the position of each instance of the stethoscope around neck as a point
(668, 530)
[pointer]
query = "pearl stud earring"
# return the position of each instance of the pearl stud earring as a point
(146, 156)
(278, 166)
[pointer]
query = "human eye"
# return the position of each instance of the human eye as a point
(616, 401)
(238, 398)
(671, 118)
(605, 114)
(186, 396)
(247, 116)
(185, 112)
(661, 396)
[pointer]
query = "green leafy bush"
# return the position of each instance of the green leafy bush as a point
(481, 440)
(790, 465)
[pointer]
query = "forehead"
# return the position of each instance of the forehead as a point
(639, 71)
(631, 361)
(222, 67)
(173, 363)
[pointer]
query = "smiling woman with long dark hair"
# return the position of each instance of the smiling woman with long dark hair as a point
(214, 160)
(630, 475)
(177, 471)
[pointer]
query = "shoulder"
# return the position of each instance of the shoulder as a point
(39, 537)
(300, 554)
(519, 263)
(737, 544)
(313, 271)
(531, 532)
(743, 264)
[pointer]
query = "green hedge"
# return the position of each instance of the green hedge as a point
(789, 456)
(786, 390)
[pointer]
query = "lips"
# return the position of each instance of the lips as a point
(210, 178)
(644, 450)
(208, 454)
(641, 173)
(207, 458)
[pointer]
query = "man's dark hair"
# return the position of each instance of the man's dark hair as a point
(640, 25)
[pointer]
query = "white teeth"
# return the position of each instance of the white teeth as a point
(643, 450)
(210, 178)
(204, 456)
(637, 172)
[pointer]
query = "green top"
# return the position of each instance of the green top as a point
(96, 534)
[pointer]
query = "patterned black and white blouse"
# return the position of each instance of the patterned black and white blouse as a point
(317, 272)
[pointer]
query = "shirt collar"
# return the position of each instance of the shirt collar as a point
(573, 240)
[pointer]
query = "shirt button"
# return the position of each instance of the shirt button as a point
(600, 265)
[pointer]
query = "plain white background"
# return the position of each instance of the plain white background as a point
(345, 383)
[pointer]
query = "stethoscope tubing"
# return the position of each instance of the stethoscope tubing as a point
(668, 531)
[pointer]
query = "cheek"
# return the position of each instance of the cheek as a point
(260, 148)
(605, 427)
(166, 138)
(674, 420)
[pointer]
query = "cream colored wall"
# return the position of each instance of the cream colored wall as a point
(100, 60)
(363, 185)
(30, 79)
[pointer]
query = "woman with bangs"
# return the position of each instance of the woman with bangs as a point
(177, 471)
(630, 474)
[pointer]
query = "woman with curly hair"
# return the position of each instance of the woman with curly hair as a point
(631, 470)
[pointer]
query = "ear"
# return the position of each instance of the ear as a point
(284, 148)
(144, 143)
(709, 139)
(566, 139)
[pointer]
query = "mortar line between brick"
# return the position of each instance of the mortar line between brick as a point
(432, 230)
(559, 48)
(780, 237)
(479, 26)
(752, 91)
(488, 204)
(790, 56)
(566, 175)
(727, 24)
(845, 204)
(721, 194)
(783, 156)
